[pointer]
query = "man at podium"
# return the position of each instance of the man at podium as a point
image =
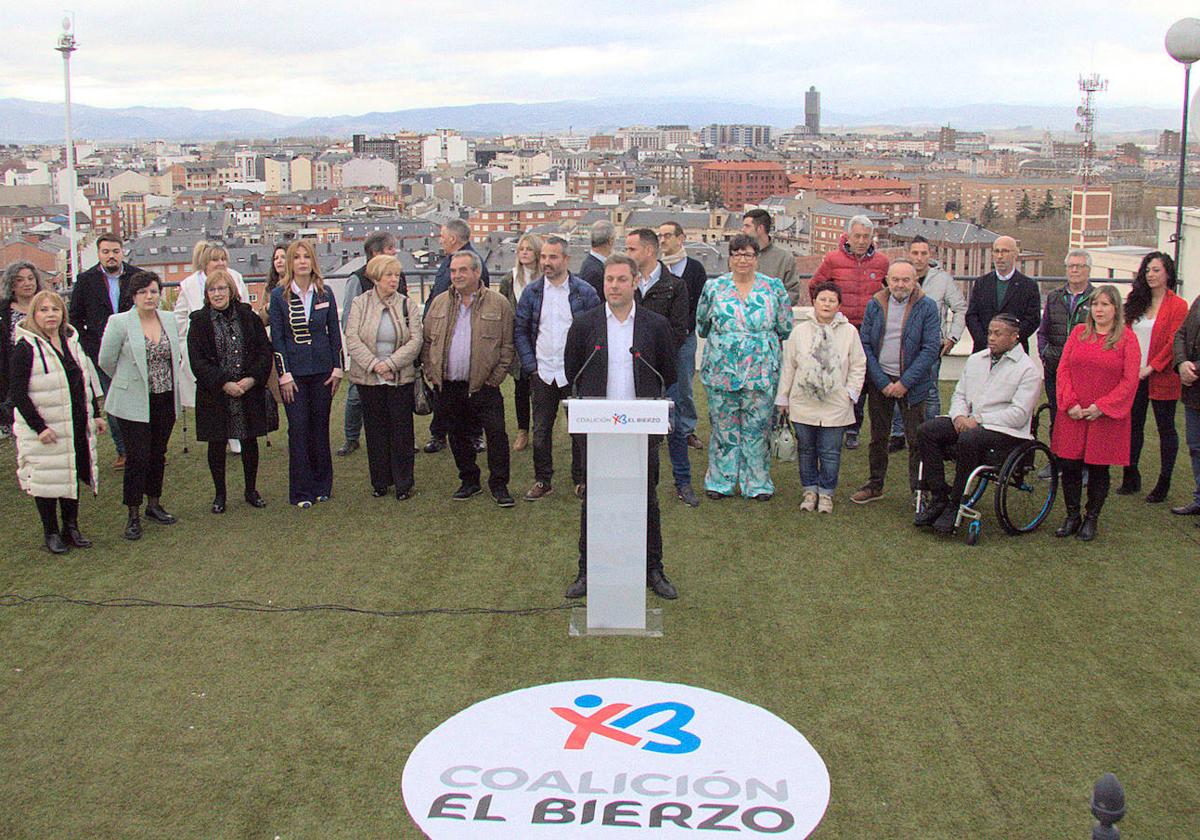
(622, 351)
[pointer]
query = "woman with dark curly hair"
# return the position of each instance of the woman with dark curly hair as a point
(1154, 312)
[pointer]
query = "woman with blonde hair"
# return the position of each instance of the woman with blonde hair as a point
(525, 271)
(383, 340)
(1097, 381)
(56, 393)
(307, 340)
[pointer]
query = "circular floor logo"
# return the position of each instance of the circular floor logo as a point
(602, 758)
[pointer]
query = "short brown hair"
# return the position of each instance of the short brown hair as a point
(218, 275)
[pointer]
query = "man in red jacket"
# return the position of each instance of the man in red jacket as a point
(859, 271)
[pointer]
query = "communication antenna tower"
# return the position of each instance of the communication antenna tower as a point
(1089, 86)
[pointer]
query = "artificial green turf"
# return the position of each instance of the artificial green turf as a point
(953, 692)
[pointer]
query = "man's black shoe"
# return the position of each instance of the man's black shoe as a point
(895, 443)
(478, 444)
(503, 497)
(159, 515)
(379, 492)
(944, 524)
(436, 444)
(578, 587)
(932, 510)
(133, 528)
(347, 447)
(662, 587)
(1070, 525)
(466, 491)
(851, 440)
(687, 495)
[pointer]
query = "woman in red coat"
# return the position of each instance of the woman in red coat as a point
(1097, 378)
(1154, 312)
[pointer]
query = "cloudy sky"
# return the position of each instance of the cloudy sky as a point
(313, 58)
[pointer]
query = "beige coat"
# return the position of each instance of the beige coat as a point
(362, 325)
(803, 373)
(491, 338)
(48, 470)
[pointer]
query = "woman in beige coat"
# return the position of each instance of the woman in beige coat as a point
(55, 391)
(383, 340)
(822, 376)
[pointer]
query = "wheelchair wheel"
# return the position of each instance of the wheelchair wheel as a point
(1023, 497)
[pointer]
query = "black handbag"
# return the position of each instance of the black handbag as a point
(421, 404)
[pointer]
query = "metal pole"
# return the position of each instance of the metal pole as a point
(1187, 83)
(66, 46)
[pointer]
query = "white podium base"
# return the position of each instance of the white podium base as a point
(579, 625)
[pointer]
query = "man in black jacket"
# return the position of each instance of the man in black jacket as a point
(1003, 289)
(592, 269)
(99, 292)
(614, 373)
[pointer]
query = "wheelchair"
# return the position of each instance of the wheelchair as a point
(1026, 479)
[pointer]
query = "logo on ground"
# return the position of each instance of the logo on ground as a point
(605, 723)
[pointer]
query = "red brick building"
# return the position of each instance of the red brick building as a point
(588, 185)
(739, 183)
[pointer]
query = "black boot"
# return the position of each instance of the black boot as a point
(932, 510)
(1131, 482)
(133, 528)
(155, 511)
(74, 537)
(1070, 524)
(1087, 531)
(55, 543)
(1160, 491)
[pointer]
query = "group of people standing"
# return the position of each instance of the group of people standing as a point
(871, 345)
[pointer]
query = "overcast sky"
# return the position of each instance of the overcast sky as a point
(311, 58)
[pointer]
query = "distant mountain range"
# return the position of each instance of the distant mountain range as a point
(25, 121)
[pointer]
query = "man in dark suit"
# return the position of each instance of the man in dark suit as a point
(1003, 289)
(613, 372)
(99, 292)
(592, 269)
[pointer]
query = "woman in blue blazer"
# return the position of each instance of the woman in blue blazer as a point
(141, 352)
(306, 337)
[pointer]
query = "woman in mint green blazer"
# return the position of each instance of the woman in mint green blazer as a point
(141, 352)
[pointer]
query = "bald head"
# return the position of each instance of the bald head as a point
(1004, 254)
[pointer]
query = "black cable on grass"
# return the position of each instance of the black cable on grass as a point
(12, 599)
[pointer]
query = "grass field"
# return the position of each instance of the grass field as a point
(953, 692)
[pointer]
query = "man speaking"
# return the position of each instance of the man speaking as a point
(619, 351)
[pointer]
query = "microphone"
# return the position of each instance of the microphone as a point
(583, 367)
(662, 385)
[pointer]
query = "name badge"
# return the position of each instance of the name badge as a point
(324, 305)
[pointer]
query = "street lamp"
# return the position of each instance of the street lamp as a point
(1183, 45)
(66, 46)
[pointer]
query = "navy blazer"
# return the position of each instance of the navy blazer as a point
(90, 305)
(1023, 299)
(652, 338)
(592, 270)
(305, 347)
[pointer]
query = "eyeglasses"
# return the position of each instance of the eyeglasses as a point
(1076, 266)
(743, 255)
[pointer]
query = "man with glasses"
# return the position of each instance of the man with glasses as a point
(1066, 307)
(1003, 289)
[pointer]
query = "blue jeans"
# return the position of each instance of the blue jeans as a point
(933, 405)
(819, 452)
(683, 415)
(114, 425)
(1191, 419)
(353, 423)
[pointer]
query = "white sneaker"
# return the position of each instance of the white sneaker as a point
(824, 504)
(810, 501)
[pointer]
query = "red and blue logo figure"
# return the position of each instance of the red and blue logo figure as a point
(613, 720)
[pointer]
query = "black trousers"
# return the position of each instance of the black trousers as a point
(880, 410)
(654, 546)
(439, 425)
(146, 450)
(546, 400)
(465, 412)
(934, 440)
(388, 422)
(1072, 486)
(521, 396)
(1164, 419)
(1050, 377)
(216, 464)
(48, 511)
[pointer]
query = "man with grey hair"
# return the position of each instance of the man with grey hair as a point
(1066, 307)
(858, 270)
(773, 260)
(379, 242)
(455, 236)
(592, 269)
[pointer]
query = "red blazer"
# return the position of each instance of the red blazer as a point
(1090, 374)
(1164, 382)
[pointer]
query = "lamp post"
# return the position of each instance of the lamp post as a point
(1183, 45)
(66, 46)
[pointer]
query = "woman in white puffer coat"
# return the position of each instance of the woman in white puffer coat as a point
(823, 370)
(55, 393)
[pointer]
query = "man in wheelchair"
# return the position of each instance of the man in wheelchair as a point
(990, 413)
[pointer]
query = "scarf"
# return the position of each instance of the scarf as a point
(672, 260)
(820, 370)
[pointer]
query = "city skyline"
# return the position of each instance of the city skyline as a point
(306, 59)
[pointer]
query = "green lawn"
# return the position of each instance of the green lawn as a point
(953, 692)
